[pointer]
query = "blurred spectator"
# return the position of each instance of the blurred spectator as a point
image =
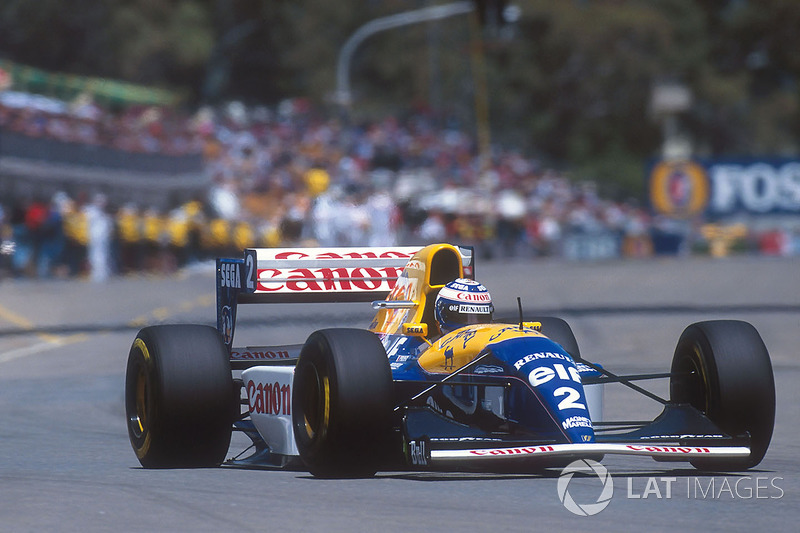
(52, 244)
(288, 177)
(76, 234)
(101, 229)
(129, 237)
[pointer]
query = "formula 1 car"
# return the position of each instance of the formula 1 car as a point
(506, 394)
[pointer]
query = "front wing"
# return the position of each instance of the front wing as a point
(665, 453)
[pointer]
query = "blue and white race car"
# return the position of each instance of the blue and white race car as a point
(434, 382)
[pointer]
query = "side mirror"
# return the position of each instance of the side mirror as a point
(415, 330)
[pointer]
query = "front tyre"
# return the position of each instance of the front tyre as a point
(342, 403)
(723, 369)
(178, 396)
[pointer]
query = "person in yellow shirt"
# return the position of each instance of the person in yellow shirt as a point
(76, 234)
(217, 237)
(177, 229)
(243, 237)
(153, 233)
(129, 236)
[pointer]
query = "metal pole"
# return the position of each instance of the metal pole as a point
(343, 95)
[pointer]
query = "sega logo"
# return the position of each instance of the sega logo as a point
(230, 275)
(269, 398)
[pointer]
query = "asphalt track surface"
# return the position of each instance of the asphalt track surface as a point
(66, 464)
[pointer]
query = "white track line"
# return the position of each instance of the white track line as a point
(28, 350)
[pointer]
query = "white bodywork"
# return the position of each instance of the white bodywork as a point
(269, 393)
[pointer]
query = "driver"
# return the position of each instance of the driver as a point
(462, 302)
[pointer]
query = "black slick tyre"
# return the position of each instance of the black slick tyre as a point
(342, 403)
(723, 369)
(179, 399)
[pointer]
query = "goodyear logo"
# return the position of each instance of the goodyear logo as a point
(679, 188)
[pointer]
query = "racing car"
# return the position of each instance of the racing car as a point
(414, 390)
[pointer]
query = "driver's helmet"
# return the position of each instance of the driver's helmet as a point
(462, 302)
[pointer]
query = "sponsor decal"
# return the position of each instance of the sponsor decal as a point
(327, 279)
(449, 360)
(757, 187)
(415, 264)
(679, 188)
(476, 309)
(585, 369)
(528, 450)
(540, 355)
(725, 186)
(576, 422)
(269, 398)
(513, 330)
(464, 334)
(418, 452)
(466, 439)
(267, 354)
(683, 436)
(385, 254)
(542, 374)
(230, 275)
(668, 449)
(466, 291)
(489, 369)
(227, 324)
(560, 381)
(430, 402)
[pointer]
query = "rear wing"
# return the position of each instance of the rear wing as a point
(310, 275)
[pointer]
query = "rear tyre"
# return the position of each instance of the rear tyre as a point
(723, 369)
(178, 397)
(342, 403)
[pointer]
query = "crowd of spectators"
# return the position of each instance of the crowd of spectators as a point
(289, 177)
(137, 129)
